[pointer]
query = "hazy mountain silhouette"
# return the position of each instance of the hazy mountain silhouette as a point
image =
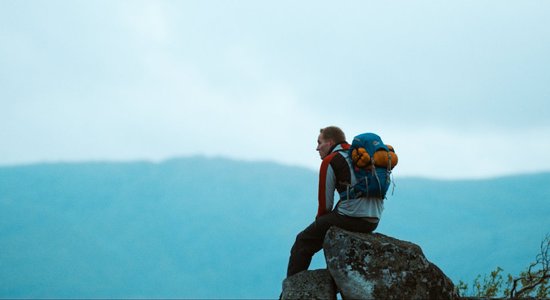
(209, 228)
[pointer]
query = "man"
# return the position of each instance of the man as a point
(336, 173)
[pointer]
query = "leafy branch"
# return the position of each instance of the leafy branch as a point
(535, 279)
(537, 275)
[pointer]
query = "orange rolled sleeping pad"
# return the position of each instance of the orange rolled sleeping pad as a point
(382, 158)
(360, 157)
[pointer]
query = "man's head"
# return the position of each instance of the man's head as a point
(328, 137)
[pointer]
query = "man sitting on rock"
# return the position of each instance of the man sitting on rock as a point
(359, 215)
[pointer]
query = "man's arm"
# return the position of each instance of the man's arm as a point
(327, 185)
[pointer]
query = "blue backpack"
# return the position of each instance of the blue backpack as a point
(372, 163)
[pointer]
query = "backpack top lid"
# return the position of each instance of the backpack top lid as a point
(370, 141)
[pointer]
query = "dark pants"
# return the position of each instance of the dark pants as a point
(309, 241)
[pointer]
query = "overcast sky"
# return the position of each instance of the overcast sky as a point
(461, 89)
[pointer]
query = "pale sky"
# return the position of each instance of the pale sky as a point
(460, 88)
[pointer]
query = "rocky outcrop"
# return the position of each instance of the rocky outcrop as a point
(375, 266)
(316, 284)
(370, 266)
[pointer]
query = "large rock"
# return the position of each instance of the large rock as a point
(375, 266)
(317, 284)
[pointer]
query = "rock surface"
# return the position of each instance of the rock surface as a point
(317, 284)
(375, 266)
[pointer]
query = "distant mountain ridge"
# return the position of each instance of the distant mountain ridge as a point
(209, 227)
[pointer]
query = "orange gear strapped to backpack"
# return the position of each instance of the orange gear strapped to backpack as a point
(381, 158)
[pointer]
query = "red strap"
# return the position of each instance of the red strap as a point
(322, 197)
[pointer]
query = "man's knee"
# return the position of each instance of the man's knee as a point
(306, 244)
